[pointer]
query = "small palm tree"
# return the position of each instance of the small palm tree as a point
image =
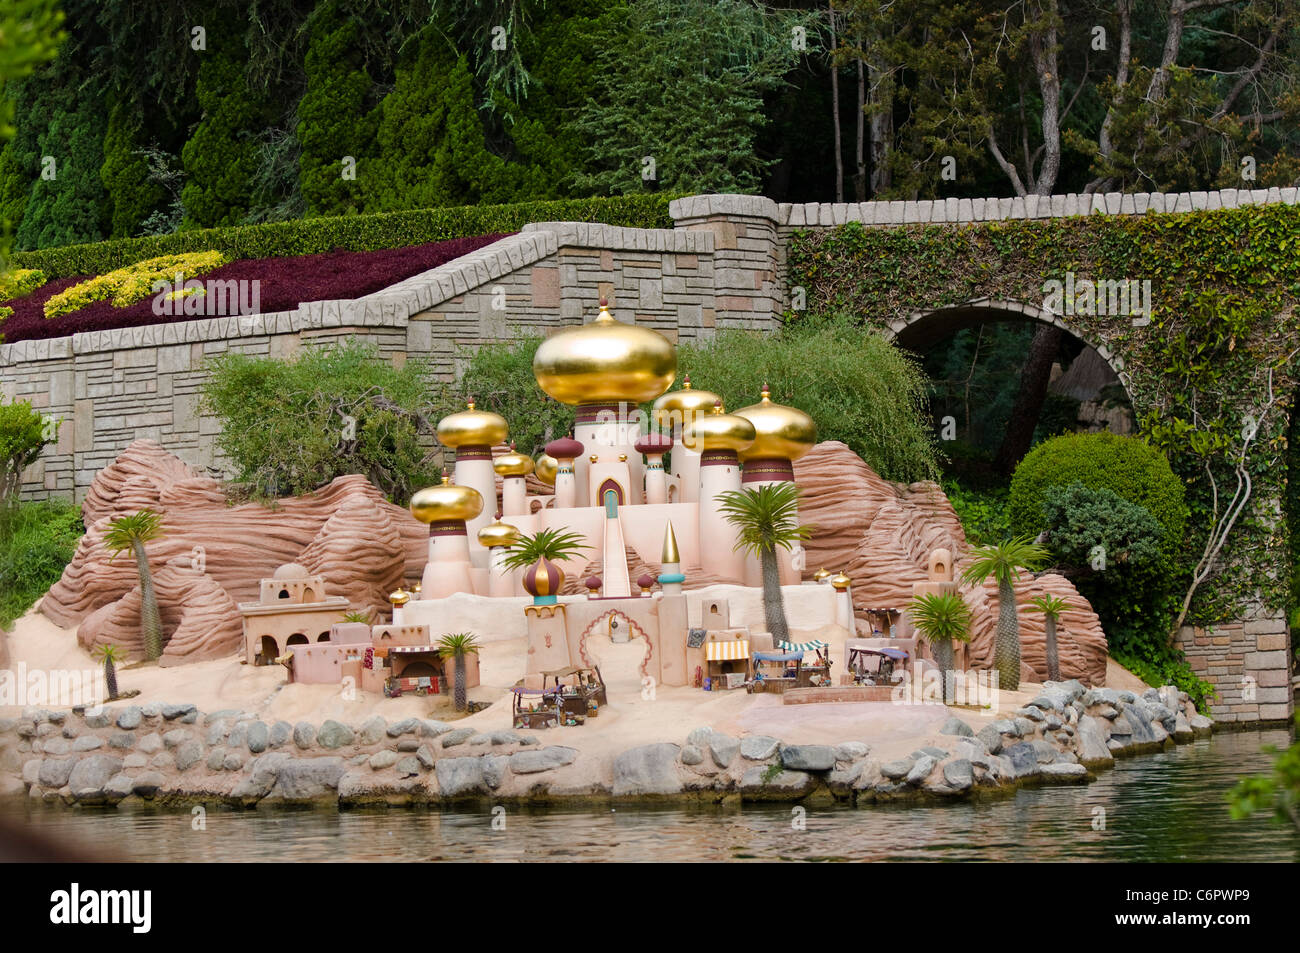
(943, 618)
(1051, 607)
(1004, 561)
(456, 646)
(131, 533)
(552, 544)
(767, 518)
(110, 655)
(357, 615)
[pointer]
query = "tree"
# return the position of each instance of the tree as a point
(679, 86)
(456, 646)
(943, 618)
(1004, 561)
(23, 435)
(220, 157)
(110, 655)
(1051, 607)
(767, 518)
(131, 533)
(132, 193)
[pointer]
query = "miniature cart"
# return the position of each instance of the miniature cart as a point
(782, 675)
(818, 673)
(875, 665)
(544, 714)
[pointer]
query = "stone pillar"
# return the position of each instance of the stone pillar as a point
(746, 256)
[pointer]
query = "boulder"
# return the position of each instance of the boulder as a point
(958, 775)
(383, 759)
(1075, 772)
(304, 734)
(1023, 760)
(307, 779)
(259, 737)
(691, 754)
(403, 727)
(334, 734)
(460, 777)
(851, 751)
(54, 772)
(758, 747)
(955, 726)
(807, 757)
(647, 770)
(281, 732)
(921, 769)
(457, 736)
(130, 718)
(188, 755)
(723, 748)
(542, 759)
(897, 770)
(494, 769)
(758, 781)
(91, 775)
(1090, 743)
(371, 732)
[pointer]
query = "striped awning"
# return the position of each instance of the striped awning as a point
(726, 651)
(803, 646)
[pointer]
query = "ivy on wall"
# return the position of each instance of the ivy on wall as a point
(1211, 376)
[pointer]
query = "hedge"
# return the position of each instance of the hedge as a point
(349, 232)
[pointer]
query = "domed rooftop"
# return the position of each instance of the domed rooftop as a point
(653, 443)
(546, 468)
(513, 464)
(679, 406)
(292, 571)
(472, 428)
(565, 448)
(435, 504)
(783, 433)
(605, 361)
(498, 533)
(718, 431)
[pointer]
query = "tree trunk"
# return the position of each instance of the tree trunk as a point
(835, 109)
(1029, 400)
(859, 155)
(1006, 648)
(773, 601)
(110, 679)
(461, 694)
(1053, 660)
(942, 649)
(150, 620)
(882, 129)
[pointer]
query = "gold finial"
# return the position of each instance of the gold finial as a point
(766, 393)
(670, 553)
(594, 458)
(717, 406)
(446, 478)
(604, 317)
(622, 458)
(399, 597)
(686, 382)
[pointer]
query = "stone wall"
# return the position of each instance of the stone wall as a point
(1246, 661)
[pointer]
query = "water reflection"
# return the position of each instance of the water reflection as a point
(1166, 807)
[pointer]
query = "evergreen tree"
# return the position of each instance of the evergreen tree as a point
(221, 154)
(334, 118)
(133, 196)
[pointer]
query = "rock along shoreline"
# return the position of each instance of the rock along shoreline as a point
(174, 755)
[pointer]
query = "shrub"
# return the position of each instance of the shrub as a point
(349, 232)
(285, 424)
(499, 376)
(1126, 466)
(982, 512)
(37, 540)
(21, 282)
(132, 283)
(23, 436)
(856, 385)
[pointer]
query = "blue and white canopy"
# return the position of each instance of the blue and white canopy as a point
(803, 646)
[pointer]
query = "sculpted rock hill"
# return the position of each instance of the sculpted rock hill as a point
(882, 534)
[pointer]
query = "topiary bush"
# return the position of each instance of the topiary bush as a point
(1128, 467)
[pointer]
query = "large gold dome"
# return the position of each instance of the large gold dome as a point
(472, 428)
(546, 468)
(498, 533)
(784, 433)
(718, 431)
(679, 406)
(605, 361)
(435, 504)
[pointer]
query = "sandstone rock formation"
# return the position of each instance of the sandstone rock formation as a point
(882, 534)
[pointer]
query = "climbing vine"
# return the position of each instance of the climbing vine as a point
(1211, 370)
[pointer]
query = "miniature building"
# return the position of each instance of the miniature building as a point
(293, 609)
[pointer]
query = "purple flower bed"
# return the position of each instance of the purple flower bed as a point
(285, 283)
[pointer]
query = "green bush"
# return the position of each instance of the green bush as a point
(125, 174)
(284, 424)
(1126, 466)
(37, 540)
(982, 512)
(23, 435)
(350, 232)
(499, 377)
(856, 385)
(1170, 669)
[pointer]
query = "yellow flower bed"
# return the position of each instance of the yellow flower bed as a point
(21, 281)
(133, 283)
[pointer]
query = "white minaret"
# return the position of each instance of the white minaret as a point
(654, 446)
(720, 436)
(513, 468)
(446, 509)
(673, 413)
(497, 537)
(565, 451)
(472, 434)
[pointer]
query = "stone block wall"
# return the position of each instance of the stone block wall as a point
(1247, 662)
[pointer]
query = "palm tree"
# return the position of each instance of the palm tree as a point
(943, 618)
(361, 616)
(131, 533)
(767, 518)
(110, 655)
(1051, 607)
(1003, 561)
(550, 544)
(456, 646)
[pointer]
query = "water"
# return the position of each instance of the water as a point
(1165, 807)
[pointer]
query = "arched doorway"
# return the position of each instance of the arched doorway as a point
(297, 638)
(270, 651)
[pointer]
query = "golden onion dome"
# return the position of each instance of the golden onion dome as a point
(546, 468)
(513, 464)
(784, 433)
(498, 533)
(821, 575)
(718, 431)
(435, 504)
(472, 428)
(840, 581)
(681, 405)
(605, 360)
(399, 597)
